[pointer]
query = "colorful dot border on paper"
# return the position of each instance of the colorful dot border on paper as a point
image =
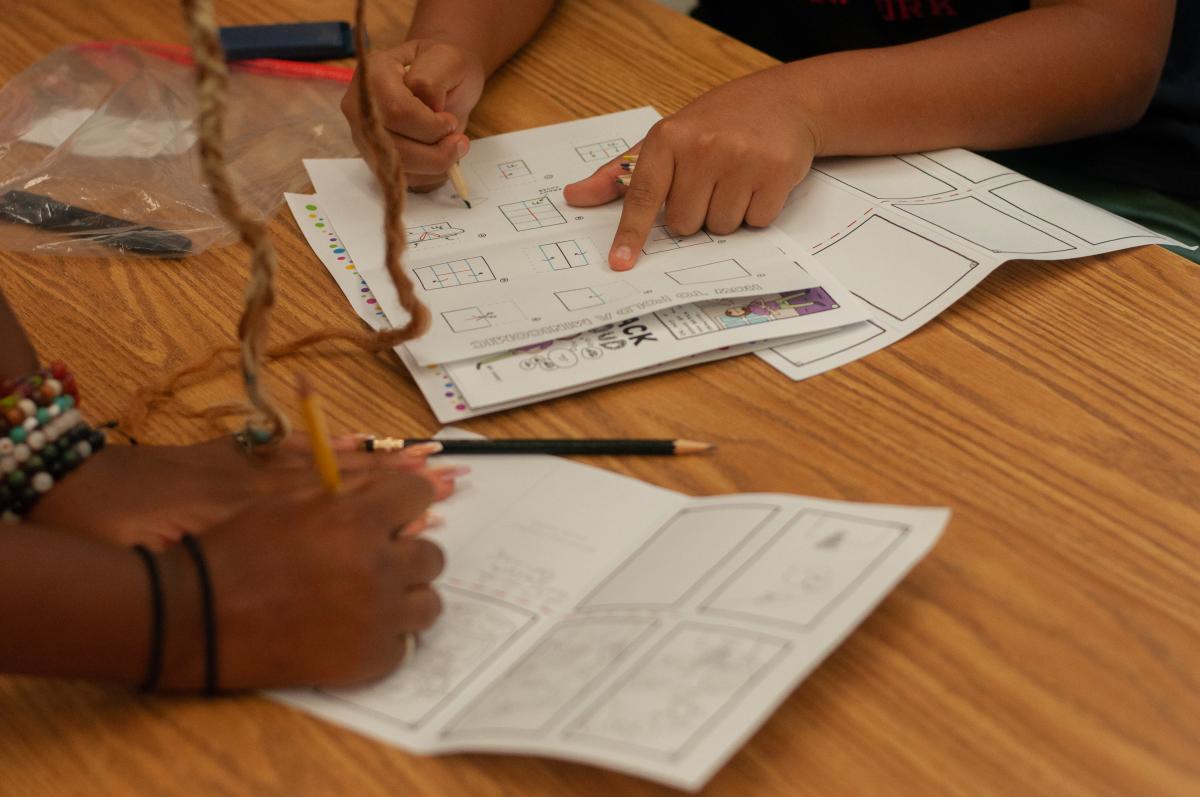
(448, 389)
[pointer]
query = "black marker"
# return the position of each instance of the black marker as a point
(22, 207)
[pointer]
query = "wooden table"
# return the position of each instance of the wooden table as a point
(1050, 644)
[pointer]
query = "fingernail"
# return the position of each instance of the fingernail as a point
(621, 256)
(452, 472)
(433, 520)
(462, 147)
(424, 449)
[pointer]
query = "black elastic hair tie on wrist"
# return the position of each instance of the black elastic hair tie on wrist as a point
(211, 686)
(157, 621)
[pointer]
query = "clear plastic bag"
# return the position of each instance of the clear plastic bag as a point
(98, 148)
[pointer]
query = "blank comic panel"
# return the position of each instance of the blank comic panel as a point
(1069, 214)
(892, 268)
(543, 684)
(973, 220)
(828, 344)
(805, 569)
(883, 178)
(721, 271)
(471, 632)
(680, 555)
(679, 691)
(968, 165)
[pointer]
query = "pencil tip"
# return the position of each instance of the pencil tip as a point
(692, 447)
(467, 202)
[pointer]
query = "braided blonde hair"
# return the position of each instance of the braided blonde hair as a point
(268, 424)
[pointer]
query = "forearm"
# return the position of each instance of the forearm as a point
(492, 30)
(17, 355)
(1049, 74)
(72, 607)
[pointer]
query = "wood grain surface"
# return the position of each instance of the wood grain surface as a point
(1050, 644)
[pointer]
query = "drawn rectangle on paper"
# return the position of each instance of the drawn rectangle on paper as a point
(601, 150)
(884, 178)
(1084, 221)
(467, 271)
(562, 255)
(977, 222)
(514, 169)
(661, 239)
(720, 271)
(893, 269)
(532, 214)
(580, 298)
(679, 690)
(472, 632)
(829, 344)
(684, 552)
(805, 569)
(539, 689)
(967, 165)
(431, 233)
(468, 319)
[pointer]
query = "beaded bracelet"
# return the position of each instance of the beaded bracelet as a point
(42, 437)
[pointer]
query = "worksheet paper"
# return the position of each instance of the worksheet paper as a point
(638, 346)
(911, 235)
(520, 266)
(596, 618)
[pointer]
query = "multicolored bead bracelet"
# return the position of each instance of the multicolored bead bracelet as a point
(43, 437)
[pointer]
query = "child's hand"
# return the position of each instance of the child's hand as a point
(731, 156)
(425, 92)
(153, 495)
(315, 591)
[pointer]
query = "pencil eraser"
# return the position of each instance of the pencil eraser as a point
(301, 41)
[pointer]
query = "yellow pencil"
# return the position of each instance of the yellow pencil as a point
(318, 435)
(460, 185)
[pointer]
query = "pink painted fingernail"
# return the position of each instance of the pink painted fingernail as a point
(423, 449)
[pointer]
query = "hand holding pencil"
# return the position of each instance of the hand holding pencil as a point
(426, 91)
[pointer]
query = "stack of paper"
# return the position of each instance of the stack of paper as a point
(525, 307)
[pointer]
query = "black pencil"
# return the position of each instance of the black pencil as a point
(641, 448)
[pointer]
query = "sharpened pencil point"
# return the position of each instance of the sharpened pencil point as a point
(467, 203)
(692, 447)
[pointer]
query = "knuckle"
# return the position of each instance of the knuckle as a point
(722, 226)
(761, 217)
(425, 606)
(639, 196)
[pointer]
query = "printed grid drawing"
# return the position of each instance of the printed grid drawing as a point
(511, 170)
(602, 150)
(663, 240)
(453, 273)
(532, 214)
(562, 255)
(424, 233)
